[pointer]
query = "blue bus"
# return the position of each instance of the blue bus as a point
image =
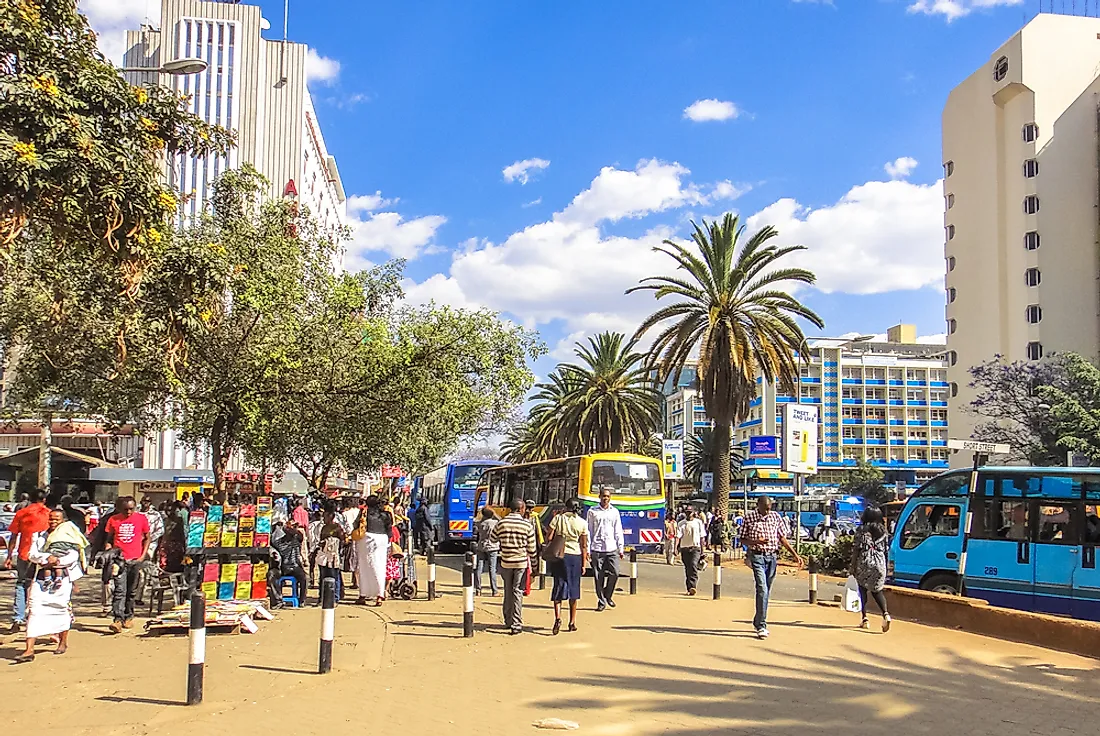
(814, 508)
(1033, 538)
(449, 492)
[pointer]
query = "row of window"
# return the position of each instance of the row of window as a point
(1032, 277)
(1030, 134)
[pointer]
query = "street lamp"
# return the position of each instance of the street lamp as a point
(175, 67)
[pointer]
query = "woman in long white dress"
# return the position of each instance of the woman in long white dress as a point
(49, 610)
(373, 548)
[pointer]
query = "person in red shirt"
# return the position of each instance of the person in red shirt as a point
(29, 521)
(128, 533)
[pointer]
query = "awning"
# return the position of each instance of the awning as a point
(771, 474)
(29, 456)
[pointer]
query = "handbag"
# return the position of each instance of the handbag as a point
(360, 529)
(554, 551)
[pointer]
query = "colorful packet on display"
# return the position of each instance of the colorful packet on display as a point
(215, 515)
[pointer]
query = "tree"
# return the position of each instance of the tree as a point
(734, 312)
(1008, 396)
(1074, 407)
(701, 456)
(867, 481)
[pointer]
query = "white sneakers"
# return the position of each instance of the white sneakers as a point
(762, 632)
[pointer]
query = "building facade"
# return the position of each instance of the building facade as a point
(1020, 153)
(884, 401)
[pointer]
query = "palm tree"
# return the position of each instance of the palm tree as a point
(732, 308)
(613, 404)
(700, 454)
(519, 444)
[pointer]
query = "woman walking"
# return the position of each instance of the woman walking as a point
(328, 553)
(869, 564)
(374, 549)
(569, 527)
(57, 566)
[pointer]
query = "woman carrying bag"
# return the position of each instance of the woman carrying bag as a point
(567, 553)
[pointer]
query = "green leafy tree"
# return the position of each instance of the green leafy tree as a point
(701, 456)
(731, 307)
(867, 481)
(1074, 407)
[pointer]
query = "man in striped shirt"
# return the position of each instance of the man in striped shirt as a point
(516, 538)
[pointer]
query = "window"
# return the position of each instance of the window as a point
(1034, 314)
(950, 232)
(1031, 204)
(930, 520)
(950, 201)
(1034, 350)
(951, 263)
(1056, 525)
(1000, 69)
(1031, 133)
(1031, 240)
(1007, 520)
(939, 415)
(952, 325)
(1031, 168)
(626, 479)
(1092, 524)
(954, 389)
(949, 168)
(952, 357)
(1032, 277)
(955, 484)
(951, 294)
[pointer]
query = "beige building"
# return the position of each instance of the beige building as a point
(1020, 155)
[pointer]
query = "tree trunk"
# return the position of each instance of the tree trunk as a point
(722, 431)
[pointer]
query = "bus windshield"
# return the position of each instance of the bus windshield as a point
(624, 478)
(467, 476)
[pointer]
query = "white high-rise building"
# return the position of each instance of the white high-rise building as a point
(1020, 156)
(255, 87)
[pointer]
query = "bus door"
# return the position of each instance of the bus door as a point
(926, 547)
(1000, 563)
(1057, 554)
(1086, 576)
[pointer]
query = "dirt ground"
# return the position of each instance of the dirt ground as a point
(659, 663)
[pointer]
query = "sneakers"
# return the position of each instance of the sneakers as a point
(601, 607)
(116, 627)
(691, 591)
(885, 622)
(762, 632)
(865, 625)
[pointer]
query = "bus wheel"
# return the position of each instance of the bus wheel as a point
(943, 583)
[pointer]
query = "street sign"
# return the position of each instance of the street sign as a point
(672, 452)
(1076, 460)
(988, 448)
(800, 438)
(708, 483)
(763, 446)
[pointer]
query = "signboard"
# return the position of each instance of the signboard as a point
(800, 438)
(1076, 460)
(672, 452)
(989, 448)
(764, 446)
(392, 471)
(708, 483)
(879, 360)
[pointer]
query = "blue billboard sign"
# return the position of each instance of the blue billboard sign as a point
(763, 446)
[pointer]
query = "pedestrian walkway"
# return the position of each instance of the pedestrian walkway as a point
(659, 663)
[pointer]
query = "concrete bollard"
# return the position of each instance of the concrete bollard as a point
(813, 568)
(328, 624)
(468, 596)
(633, 570)
(431, 573)
(542, 573)
(717, 575)
(196, 661)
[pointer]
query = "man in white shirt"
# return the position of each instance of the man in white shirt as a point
(605, 534)
(691, 535)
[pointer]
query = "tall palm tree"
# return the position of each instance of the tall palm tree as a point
(732, 307)
(700, 456)
(613, 404)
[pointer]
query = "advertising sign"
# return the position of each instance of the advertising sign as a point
(800, 438)
(672, 452)
(708, 483)
(764, 446)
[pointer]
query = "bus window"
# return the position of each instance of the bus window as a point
(1092, 524)
(1004, 520)
(929, 520)
(1061, 486)
(1015, 485)
(1092, 488)
(1056, 525)
(626, 478)
(955, 484)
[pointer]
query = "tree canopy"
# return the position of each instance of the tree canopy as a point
(866, 480)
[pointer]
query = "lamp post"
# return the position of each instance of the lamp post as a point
(175, 67)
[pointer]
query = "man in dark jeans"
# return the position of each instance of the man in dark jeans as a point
(288, 546)
(691, 535)
(764, 533)
(422, 527)
(128, 532)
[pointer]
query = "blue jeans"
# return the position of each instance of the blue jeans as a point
(488, 559)
(763, 572)
(22, 582)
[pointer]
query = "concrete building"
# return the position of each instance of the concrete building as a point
(885, 401)
(1020, 155)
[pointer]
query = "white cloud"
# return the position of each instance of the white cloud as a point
(522, 171)
(900, 168)
(954, 9)
(532, 203)
(711, 109)
(653, 186)
(321, 68)
(110, 19)
(386, 232)
(369, 202)
(937, 339)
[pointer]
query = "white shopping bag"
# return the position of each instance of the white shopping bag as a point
(851, 595)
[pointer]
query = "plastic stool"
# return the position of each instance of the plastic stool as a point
(294, 599)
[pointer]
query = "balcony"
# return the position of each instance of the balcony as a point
(848, 420)
(938, 423)
(851, 381)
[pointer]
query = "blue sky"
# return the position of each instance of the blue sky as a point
(427, 103)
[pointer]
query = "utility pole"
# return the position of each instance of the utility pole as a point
(45, 452)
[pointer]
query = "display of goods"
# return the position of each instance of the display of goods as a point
(259, 571)
(226, 590)
(210, 572)
(248, 510)
(210, 591)
(214, 515)
(263, 524)
(229, 573)
(243, 591)
(229, 539)
(261, 540)
(263, 505)
(244, 571)
(211, 539)
(259, 589)
(246, 524)
(245, 539)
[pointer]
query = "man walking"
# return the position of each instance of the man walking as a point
(30, 520)
(127, 531)
(691, 535)
(764, 531)
(670, 538)
(605, 534)
(486, 549)
(422, 527)
(516, 538)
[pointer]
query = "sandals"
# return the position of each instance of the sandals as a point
(557, 626)
(572, 627)
(23, 659)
